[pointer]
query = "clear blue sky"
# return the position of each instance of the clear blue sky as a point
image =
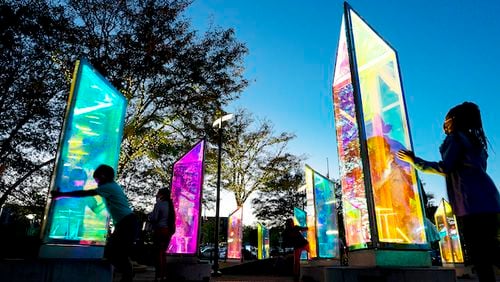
(449, 52)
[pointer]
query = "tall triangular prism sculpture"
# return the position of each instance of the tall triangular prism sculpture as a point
(381, 197)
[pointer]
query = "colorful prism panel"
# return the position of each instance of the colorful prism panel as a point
(91, 136)
(326, 217)
(262, 242)
(398, 209)
(187, 182)
(300, 219)
(355, 210)
(449, 243)
(311, 215)
(235, 234)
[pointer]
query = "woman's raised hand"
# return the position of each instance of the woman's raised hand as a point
(406, 156)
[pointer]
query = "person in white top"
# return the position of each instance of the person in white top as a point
(163, 221)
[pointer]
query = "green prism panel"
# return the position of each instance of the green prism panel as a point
(91, 136)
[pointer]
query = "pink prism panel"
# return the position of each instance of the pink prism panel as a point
(187, 182)
(235, 234)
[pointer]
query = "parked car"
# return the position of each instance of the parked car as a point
(248, 255)
(208, 252)
(275, 251)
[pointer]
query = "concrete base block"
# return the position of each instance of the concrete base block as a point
(321, 262)
(390, 258)
(460, 269)
(316, 269)
(378, 274)
(55, 270)
(71, 252)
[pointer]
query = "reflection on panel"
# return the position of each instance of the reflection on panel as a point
(187, 182)
(396, 196)
(311, 216)
(300, 219)
(355, 210)
(449, 242)
(235, 234)
(79, 219)
(326, 217)
(91, 136)
(262, 242)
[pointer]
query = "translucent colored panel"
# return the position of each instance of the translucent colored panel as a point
(235, 234)
(326, 217)
(311, 215)
(92, 134)
(80, 220)
(263, 242)
(300, 219)
(396, 196)
(355, 211)
(187, 182)
(449, 243)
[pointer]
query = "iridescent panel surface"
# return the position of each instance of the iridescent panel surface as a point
(398, 210)
(91, 136)
(235, 234)
(449, 238)
(300, 219)
(354, 203)
(326, 217)
(187, 182)
(311, 214)
(262, 242)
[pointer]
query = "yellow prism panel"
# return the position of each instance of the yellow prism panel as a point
(449, 238)
(398, 209)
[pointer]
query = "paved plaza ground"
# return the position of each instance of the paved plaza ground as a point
(148, 275)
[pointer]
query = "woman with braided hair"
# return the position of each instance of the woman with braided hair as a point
(471, 192)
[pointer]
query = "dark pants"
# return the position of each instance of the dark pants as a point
(161, 240)
(297, 251)
(120, 244)
(481, 234)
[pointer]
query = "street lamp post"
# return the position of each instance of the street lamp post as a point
(218, 123)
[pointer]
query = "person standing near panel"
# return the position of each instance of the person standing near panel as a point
(120, 242)
(292, 237)
(163, 220)
(472, 193)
